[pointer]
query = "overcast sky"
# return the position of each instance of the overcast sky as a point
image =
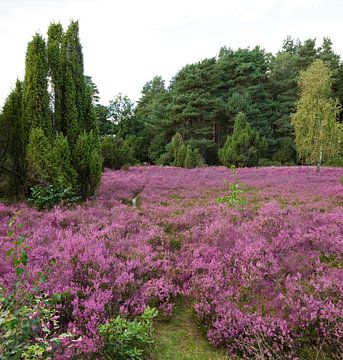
(126, 43)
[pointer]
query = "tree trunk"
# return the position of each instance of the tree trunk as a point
(320, 159)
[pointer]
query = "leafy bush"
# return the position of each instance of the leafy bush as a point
(124, 339)
(117, 152)
(49, 164)
(338, 162)
(234, 198)
(181, 155)
(193, 158)
(48, 196)
(88, 163)
(243, 147)
(266, 162)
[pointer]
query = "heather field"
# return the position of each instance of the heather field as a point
(263, 279)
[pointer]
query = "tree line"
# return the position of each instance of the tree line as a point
(204, 100)
(243, 107)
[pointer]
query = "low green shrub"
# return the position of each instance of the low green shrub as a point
(234, 198)
(243, 148)
(181, 155)
(45, 197)
(266, 162)
(124, 339)
(338, 162)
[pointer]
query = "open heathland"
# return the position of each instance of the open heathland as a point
(260, 277)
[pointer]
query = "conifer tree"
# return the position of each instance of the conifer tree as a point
(243, 147)
(54, 46)
(71, 111)
(35, 89)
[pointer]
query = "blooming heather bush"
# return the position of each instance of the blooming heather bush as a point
(267, 278)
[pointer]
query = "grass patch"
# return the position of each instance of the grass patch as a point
(179, 338)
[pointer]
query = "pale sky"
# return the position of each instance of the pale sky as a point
(126, 43)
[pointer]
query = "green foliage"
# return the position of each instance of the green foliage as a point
(55, 70)
(176, 144)
(63, 174)
(181, 155)
(124, 339)
(12, 146)
(266, 162)
(117, 152)
(285, 152)
(338, 162)
(152, 114)
(35, 89)
(234, 198)
(106, 126)
(121, 113)
(193, 158)
(88, 163)
(48, 196)
(37, 157)
(28, 329)
(38, 138)
(318, 135)
(49, 169)
(243, 147)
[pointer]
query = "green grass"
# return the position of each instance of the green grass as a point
(180, 339)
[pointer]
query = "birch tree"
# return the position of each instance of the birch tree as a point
(318, 134)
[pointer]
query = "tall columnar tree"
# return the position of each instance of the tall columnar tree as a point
(72, 72)
(78, 110)
(54, 46)
(35, 89)
(318, 135)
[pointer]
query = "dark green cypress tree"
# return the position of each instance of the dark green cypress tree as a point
(79, 115)
(78, 110)
(55, 34)
(70, 113)
(35, 89)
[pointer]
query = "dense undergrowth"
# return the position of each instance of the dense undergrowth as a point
(265, 279)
